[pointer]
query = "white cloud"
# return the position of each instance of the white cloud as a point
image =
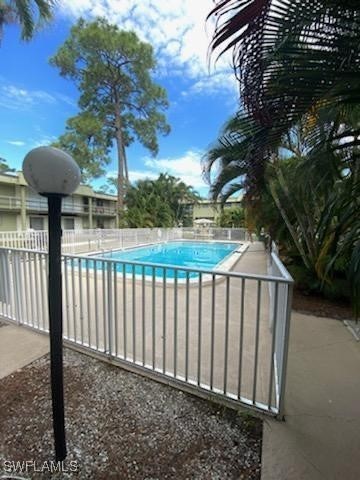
(16, 143)
(15, 97)
(213, 84)
(186, 167)
(136, 175)
(65, 99)
(45, 140)
(176, 28)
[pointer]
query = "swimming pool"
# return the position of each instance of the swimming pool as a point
(201, 255)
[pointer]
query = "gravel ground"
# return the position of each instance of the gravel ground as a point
(122, 426)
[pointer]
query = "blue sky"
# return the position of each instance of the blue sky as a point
(35, 101)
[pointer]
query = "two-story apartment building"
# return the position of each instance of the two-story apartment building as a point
(21, 208)
(210, 210)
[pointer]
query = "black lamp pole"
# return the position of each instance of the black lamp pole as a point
(54, 174)
(55, 322)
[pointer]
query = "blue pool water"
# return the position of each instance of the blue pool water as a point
(201, 255)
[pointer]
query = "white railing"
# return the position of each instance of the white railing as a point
(206, 332)
(81, 241)
(31, 239)
(102, 239)
(210, 233)
(11, 203)
(78, 241)
(40, 204)
(280, 305)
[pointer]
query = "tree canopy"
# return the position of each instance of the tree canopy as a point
(159, 203)
(89, 144)
(4, 166)
(233, 217)
(113, 71)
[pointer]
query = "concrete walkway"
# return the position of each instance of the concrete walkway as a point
(320, 438)
(19, 347)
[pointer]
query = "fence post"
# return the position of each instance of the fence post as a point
(109, 309)
(284, 358)
(15, 285)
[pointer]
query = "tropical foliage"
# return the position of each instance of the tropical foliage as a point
(112, 69)
(4, 167)
(159, 203)
(28, 13)
(294, 147)
(233, 217)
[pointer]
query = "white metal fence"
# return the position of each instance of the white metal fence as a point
(78, 241)
(210, 233)
(81, 241)
(280, 303)
(204, 331)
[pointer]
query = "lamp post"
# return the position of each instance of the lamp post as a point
(54, 174)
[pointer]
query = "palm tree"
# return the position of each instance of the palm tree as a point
(309, 202)
(158, 203)
(297, 62)
(292, 59)
(23, 12)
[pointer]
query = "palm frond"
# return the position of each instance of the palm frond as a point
(290, 56)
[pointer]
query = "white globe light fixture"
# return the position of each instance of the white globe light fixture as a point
(49, 170)
(54, 174)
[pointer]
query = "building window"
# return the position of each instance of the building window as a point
(37, 223)
(69, 223)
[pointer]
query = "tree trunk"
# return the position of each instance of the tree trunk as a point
(126, 166)
(121, 162)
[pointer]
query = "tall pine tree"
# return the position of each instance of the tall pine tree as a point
(112, 69)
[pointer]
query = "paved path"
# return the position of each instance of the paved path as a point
(19, 347)
(320, 438)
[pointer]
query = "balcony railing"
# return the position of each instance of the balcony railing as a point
(10, 203)
(103, 210)
(40, 205)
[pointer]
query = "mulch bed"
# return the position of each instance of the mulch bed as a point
(123, 426)
(320, 306)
